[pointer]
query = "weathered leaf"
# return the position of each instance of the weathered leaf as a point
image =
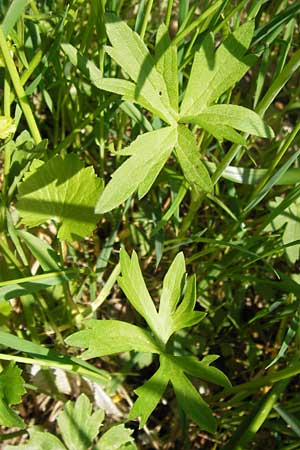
(137, 62)
(149, 394)
(39, 440)
(105, 337)
(215, 72)
(77, 424)
(188, 156)
(171, 292)
(60, 189)
(166, 63)
(133, 285)
(147, 153)
(11, 391)
(233, 116)
(115, 438)
(290, 218)
(7, 127)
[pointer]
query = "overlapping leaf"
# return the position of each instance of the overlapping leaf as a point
(290, 219)
(60, 189)
(79, 428)
(11, 391)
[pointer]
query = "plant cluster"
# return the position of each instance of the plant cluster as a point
(149, 213)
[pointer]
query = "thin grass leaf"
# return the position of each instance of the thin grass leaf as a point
(28, 285)
(15, 10)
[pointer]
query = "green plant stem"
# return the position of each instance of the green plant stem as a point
(50, 363)
(6, 250)
(257, 383)
(29, 71)
(252, 423)
(169, 12)
(278, 83)
(230, 155)
(146, 18)
(274, 163)
(196, 200)
(6, 107)
(181, 35)
(24, 103)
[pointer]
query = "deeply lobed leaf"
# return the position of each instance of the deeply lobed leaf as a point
(213, 72)
(105, 337)
(137, 62)
(77, 424)
(148, 153)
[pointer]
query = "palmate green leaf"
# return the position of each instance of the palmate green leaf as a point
(12, 384)
(105, 337)
(136, 61)
(11, 391)
(221, 132)
(290, 219)
(116, 438)
(147, 152)
(169, 319)
(60, 189)
(133, 285)
(77, 424)
(8, 417)
(150, 394)
(185, 316)
(166, 63)
(191, 401)
(218, 118)
(201, 369)
(170, 296)
(125, 88)
(188, 156)
(213, 72)
(39, 440)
